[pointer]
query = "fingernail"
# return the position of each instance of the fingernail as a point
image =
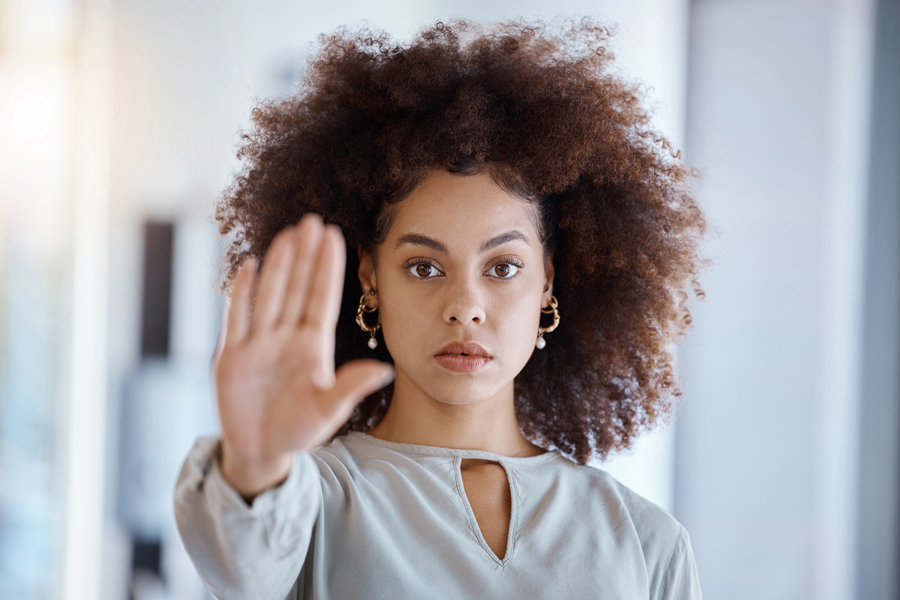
(388, 375)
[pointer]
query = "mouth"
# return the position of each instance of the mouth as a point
(460, 357)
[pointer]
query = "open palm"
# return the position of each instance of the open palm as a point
(276, 386)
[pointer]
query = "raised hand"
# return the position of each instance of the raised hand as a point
(276, 386)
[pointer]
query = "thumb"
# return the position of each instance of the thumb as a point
(357, 379)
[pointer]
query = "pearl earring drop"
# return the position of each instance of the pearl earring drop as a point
(364, 308)
(541, 342)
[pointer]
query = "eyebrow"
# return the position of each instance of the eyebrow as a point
(423, 240)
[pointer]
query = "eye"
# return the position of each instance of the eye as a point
(504, 270)
(422, 270)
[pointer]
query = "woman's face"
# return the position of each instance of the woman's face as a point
(462, 262)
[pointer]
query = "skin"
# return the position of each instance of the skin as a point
(281, 353)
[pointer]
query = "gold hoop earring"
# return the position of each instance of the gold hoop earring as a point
(554, 303)
(364, 308)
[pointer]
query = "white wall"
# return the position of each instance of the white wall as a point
(767, 445)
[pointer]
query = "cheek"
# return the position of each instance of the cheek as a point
(405, 324)
(519, 321)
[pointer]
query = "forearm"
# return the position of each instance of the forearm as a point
(241, 550)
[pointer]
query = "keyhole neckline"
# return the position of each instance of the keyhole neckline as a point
(513, 527)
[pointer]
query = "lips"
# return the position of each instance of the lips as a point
(462, 357)
(467, 348)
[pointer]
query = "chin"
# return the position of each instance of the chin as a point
(456, 400)
(463, 391)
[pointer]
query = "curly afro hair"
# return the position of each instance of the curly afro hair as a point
(537, 106)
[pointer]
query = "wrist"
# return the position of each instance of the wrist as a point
(251, 477)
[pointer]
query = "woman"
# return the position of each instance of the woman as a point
(479, 177)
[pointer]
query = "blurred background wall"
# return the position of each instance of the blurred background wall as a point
(118, 125)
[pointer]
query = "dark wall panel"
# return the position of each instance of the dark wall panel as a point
(879, 500)
(157, 297)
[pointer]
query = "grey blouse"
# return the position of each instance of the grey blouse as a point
(367, 518)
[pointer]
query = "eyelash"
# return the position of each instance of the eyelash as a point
(426, 261)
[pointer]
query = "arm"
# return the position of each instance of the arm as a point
(245, 550)
(681, 581)
(247, 519)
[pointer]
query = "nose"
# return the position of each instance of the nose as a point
(463, 304)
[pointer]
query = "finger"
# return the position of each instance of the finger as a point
(238, 306)
(273, 280)
(324, 302)
(308, 239)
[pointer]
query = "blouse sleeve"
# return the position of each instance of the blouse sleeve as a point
(681, 581)
(240, 550)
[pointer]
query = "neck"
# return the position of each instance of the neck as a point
(414, 417)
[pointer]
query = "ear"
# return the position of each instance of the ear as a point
(367, 273)
(548, 281)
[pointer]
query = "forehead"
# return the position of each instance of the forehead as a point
(462, 211)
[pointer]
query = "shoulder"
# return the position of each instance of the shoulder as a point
(653, 525)
(665, 543)
(335, 459)
(657, 529)
(663, 540)
(347, 462)
(345, 453)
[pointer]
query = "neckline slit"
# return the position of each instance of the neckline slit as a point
(475, 525)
